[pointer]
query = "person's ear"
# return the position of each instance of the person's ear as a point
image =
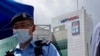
(33, 28)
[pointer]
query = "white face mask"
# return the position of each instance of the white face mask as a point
(22, 35)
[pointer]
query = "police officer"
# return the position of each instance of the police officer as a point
(23, 29)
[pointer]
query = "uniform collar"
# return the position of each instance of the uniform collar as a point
(31, 43)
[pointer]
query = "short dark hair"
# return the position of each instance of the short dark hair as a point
(20, 17)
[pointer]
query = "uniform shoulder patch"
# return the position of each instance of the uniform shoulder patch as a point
(42, 43)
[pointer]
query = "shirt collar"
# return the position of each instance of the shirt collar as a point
(31, 43)
(18, 46)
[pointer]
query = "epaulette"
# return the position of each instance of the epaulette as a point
(39, 44)
(42, 42)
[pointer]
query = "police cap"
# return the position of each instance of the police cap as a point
(20, 17)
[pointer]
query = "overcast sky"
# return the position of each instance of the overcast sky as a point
(45, 10)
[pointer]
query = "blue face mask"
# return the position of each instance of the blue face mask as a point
(22, 35)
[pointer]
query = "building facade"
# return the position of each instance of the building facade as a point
(76, 29)
(42, 32)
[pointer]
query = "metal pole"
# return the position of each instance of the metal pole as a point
(77, 4)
